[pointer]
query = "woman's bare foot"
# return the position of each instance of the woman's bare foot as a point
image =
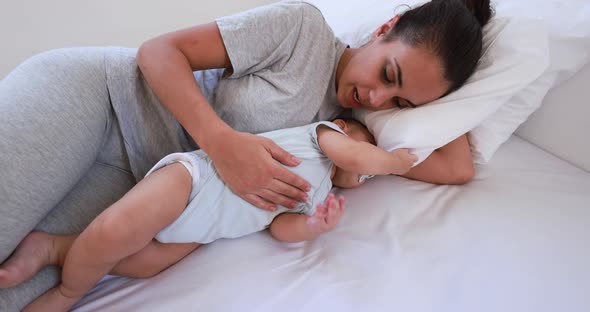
(36, 251)
(53, 300)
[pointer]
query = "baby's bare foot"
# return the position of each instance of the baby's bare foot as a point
(34, 253)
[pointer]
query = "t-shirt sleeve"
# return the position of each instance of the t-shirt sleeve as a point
(265, 36)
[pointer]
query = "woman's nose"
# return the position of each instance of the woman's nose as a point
(379, 96)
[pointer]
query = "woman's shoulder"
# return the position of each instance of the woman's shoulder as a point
(310, 11)
(307, 11)
(291, 15)
(300, 4)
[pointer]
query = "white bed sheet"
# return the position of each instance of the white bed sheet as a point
(514, 239)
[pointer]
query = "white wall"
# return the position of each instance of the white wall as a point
(28, 27)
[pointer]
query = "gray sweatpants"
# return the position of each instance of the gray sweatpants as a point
(63, 158)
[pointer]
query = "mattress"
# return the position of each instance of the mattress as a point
(513, 239)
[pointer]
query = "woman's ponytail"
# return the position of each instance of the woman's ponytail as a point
(481, 9)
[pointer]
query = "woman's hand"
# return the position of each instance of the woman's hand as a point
(250, 165)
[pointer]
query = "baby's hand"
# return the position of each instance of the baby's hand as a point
(403, 160)
(327, 215)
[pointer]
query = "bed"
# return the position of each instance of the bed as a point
(513, 239)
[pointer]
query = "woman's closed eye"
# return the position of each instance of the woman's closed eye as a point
(396, 100)
(399, 103)
(386, 77)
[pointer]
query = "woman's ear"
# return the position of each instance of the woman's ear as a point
(385, 28)
(341, 124)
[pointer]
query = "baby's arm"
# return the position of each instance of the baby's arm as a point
(362, 157)
(292, 227)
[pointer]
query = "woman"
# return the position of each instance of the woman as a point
(80, 127)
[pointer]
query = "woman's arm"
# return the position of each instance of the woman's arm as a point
(168, 62)
(450, 164)
(248, 164)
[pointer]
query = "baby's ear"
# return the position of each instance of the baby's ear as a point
(341, 124)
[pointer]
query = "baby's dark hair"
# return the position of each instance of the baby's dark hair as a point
(355, 123)
(451, 29)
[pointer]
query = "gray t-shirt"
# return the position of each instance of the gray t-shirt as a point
(284, 59)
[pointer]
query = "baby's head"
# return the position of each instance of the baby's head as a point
(357, 131)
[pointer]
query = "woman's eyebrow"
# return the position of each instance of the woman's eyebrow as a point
(399, 73)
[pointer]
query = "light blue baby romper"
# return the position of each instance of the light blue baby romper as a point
(214, 211)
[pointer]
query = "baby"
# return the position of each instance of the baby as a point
(182, 203)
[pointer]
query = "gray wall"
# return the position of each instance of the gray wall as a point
(28, 27)
(561, 125)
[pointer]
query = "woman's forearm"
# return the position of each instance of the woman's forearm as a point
(170, 76)
(168, 62)
(450, 164)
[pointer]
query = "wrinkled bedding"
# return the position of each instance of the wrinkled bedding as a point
(514, 239)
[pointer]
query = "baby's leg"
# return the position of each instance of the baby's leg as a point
(40, 249)
(121, 230)
(153, 259)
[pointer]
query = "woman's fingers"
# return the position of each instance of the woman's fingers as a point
(245, 163)
(277, 198)
(282, 155)
(254, 174)
(287, 190)
(259, 202)
(285, 175)
(293, 185)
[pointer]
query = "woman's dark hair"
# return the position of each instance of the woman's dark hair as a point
(451, 29)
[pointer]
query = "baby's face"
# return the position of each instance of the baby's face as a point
(347, 179)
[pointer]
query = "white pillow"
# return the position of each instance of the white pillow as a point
(516, 53)
(568, 24)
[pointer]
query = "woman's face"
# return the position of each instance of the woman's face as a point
(382, 75)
